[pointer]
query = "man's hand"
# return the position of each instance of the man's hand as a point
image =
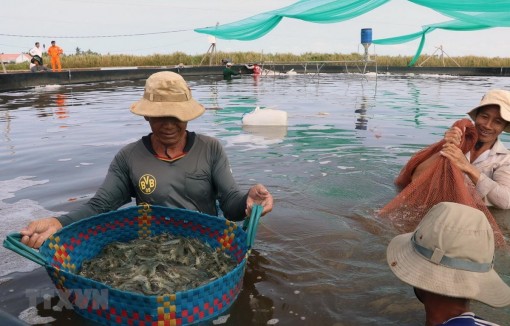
(39, 230)
(453, 135)
(457, 158)
(258, 194)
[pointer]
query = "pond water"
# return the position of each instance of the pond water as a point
(319, 257)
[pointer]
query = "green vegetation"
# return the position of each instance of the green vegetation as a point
(89, 59)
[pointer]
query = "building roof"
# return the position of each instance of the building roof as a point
(8, 57)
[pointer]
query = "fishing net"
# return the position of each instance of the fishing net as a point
(436, 180)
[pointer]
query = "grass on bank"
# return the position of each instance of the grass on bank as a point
(88, 60)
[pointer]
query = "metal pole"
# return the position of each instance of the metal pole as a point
(213, 53)
(3, 66)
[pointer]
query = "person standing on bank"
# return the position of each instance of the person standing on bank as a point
(54, 51)
(35, 51)
(448, 260)
(169, 167)
(488, 163)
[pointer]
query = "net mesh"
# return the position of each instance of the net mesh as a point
(436, 180)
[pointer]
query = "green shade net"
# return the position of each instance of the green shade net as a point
(467, 15)
(315, 11)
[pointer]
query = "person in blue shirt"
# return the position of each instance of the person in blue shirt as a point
(448, 260)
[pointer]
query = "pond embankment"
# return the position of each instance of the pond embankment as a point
(22, 80)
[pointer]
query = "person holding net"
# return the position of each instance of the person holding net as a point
(470, 166)
(487, 164)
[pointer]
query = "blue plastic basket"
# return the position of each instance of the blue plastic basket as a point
(63, 254)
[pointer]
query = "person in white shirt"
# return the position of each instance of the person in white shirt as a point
(36, 50)
(487, 165)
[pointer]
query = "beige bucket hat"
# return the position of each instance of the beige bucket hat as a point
(450, 253)
(497, 97)
(166, 94)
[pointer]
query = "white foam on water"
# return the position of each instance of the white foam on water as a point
(319, 127)
(438, 76)
(221, 320)
(49, 87)
(31, 317)
(5, 279)
(250, 141)
(113, 143)
(273, 321)
(15, 216)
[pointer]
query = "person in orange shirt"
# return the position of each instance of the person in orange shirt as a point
(54, 51)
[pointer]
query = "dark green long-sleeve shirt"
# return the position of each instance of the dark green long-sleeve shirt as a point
(193, 182)
(228, 73)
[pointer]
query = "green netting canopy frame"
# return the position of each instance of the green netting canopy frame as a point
(467, 16)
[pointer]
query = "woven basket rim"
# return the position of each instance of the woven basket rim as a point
(100, 285)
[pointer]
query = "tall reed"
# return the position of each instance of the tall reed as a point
(89, 61)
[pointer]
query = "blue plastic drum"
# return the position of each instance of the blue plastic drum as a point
(366, 35)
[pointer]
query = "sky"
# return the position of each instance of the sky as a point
(77, 24)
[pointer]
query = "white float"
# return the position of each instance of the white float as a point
(265, 117)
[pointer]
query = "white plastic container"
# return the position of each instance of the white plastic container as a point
(265, 117)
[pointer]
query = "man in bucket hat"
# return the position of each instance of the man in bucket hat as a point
(487, 164)
(171, 166)
(448, 260)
